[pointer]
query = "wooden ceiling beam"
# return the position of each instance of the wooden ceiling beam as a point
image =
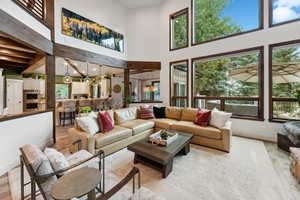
(13, 59)
(14, 53)
(36, 63)
(74, 67)
(143, 65)
(10, 44)
(6, 64)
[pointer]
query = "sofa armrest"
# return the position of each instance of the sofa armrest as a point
(227, 127)
(227, 136)
(87, 140)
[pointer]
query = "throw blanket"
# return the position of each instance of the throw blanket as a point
(292, 131)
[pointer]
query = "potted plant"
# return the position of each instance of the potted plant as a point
(84, 110)
(127, 101)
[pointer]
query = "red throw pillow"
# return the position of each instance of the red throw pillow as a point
(146, 112)
(106, 121)
(203, 117)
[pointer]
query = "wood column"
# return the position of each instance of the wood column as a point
(126, 86)
(50, 17)
(50, 89)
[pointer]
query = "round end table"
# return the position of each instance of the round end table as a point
(77, 183)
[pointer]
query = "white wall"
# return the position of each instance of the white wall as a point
(107, 13)
(20, 14)
(154, 45)
(18, 132)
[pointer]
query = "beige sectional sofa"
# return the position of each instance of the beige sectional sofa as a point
(129, 129)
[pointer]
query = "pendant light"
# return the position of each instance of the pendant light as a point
(67, 77)
(87, 79)
(99, 79)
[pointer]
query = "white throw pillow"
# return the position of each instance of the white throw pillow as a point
(219, 118)
(57, 160)
(89, 124)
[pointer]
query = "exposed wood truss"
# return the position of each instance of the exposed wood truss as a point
(70, 62)
(14, 55)
(36, 63)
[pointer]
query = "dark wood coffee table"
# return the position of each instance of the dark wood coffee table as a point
(159, 157)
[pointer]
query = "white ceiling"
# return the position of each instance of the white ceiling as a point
(140, 3)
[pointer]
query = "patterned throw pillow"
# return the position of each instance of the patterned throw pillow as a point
(202, 117)
(146, 112)
(106, 122)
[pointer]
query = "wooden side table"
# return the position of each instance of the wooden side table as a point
(76, 184)
(295, 162)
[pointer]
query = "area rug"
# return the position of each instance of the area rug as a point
(204, 174)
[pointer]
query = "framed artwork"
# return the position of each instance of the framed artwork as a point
(117, 89)
(84, 29)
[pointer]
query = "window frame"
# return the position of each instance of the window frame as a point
(271, 17)
(170, 82)
(259, 99)
(271, 99)
(152, 93)
(172, 16)
(260, 20)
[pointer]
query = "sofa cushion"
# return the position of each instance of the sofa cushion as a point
(126, 114)
(189, 114)
(173, 113)
(138, 125)
(190, 127)
(115, 135)
(164, 123)
(81, 156)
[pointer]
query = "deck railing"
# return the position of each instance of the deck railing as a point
(37, 8)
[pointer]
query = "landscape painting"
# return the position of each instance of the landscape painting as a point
(82, 28)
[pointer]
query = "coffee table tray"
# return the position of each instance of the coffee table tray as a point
(156, 138)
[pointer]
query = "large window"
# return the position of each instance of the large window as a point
(179, 29)
(215, 19)
(179, 83)
(284, 11)
(62, 91)
(285, 81)
(231, 82)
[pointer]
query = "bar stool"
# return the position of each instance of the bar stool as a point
(98, 104)
(67, 111)
(108, 103)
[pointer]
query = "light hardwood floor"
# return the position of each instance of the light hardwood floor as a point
(278, 157)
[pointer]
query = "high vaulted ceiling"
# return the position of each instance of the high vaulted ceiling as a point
(140, 3)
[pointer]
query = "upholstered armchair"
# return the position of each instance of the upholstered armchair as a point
(42, 174)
